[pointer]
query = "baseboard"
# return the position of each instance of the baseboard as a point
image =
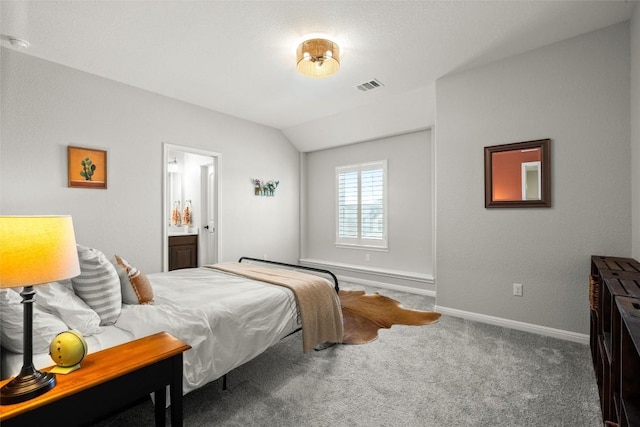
(424, 280)
(514, 324)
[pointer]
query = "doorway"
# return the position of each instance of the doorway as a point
(531, 181)
(190, 201)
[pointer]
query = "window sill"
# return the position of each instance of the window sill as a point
(362, 247)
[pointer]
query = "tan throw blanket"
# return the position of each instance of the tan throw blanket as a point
(318, 302)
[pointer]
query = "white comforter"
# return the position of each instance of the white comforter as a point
(227, 320)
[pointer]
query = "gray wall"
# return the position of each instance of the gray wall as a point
(46, 107)
(575, 92)
(635, 128)
(409, 177)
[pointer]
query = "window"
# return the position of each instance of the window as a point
(361, 218)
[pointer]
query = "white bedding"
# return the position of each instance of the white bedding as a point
(226, 319)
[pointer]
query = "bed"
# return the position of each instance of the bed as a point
(227, 318)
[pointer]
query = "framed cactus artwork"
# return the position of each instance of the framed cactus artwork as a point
(87, 167)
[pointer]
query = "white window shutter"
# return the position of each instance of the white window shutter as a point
(361, 205)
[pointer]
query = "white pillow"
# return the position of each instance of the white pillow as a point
(45, 325)
(98, 284)
(59, 299)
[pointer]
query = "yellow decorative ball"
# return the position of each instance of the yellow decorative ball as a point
(68, 348)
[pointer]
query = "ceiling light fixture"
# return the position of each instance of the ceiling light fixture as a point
(318, 58)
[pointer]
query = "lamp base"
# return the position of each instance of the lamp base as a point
(26, 386)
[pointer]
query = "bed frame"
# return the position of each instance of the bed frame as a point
(294, 266)
(301, 267)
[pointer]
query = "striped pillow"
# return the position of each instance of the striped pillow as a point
(98, 284)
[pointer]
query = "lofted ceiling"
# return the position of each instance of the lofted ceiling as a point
(238, 57)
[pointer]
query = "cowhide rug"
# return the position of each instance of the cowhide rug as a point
(365, 314)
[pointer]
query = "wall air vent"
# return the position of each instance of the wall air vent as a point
(370, 85)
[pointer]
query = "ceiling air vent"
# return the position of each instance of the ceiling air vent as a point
(370, 85)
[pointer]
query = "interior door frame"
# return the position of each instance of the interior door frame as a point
(166, 148)
(526, 166)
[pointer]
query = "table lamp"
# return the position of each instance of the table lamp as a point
(34, 250)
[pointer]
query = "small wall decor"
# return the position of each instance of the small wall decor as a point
(261, 188)
(86, 167)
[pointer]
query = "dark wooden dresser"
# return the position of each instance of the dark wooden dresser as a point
(614, 297)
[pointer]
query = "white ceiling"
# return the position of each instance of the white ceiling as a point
(238, 57)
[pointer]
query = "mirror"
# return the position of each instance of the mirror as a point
(518, 175)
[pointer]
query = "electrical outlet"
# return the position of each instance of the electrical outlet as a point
(517, 289)
(367, 257)
(265, 256)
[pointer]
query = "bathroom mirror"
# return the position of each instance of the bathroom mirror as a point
(518, 175)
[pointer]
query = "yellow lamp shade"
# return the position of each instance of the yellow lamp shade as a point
(36, 249)
(68, 349)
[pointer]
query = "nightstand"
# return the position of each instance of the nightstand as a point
(108, 380)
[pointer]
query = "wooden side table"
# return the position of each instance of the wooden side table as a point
(107, 381)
